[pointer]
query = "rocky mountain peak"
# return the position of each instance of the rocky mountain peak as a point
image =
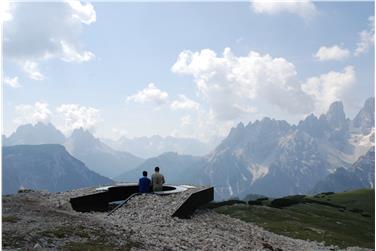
(82, 134)
(335, 115)
(40, 133)
(365, 119)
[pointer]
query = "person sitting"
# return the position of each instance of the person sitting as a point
(144, 183)
(157, 180)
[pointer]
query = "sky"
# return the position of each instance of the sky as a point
(182, 69)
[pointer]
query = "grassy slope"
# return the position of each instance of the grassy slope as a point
(318, 222)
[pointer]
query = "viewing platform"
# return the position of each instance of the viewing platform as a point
(106, 199)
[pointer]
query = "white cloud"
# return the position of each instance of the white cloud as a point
(32, 70)
(70, 54)
(76, 116)
(38, 112)
(83, 12)
(230, 83)
(40, 32)
(366, 38)
(150, 94)
(184, 103)
(5, 14)
(12, 82)
(332, 53)
(186, 120)
(303, 8)
(330, 87)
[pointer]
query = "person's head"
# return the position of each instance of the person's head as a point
(145, 174)
(156, 169)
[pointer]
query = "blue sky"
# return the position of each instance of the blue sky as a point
(183, 69)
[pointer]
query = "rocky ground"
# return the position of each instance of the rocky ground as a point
(45, 221)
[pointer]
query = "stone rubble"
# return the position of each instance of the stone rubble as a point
(146, 219)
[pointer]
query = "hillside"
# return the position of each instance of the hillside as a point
(343, 219)
(48, 167)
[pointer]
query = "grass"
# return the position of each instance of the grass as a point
(66, 231)
(98, 246)
(10, 219)
(342, 219)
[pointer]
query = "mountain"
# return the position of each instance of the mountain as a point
(48, 167)
(148, 147)
(177, 169)
(39, 133)
(98, 156)
(360, 175)
(365, 119)
(268, 157)
(274, 158)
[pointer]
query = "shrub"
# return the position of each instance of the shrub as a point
(287, 201)
(255, 202)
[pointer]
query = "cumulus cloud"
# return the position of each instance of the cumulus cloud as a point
(32, 70)
(230, 83)
(184, 103)
(332, 53)
(39, 32)
(186, 120)
(150, 94)
(366, 38)
(329, 87)
(12, 82)
(5, 13)
(83, 12)
(70, 54)
(76, 116)
(303, 8)
(38, 112)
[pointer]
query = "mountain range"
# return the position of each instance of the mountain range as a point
(273, 158)
(106, 157)
(48, 167)
(269, 157)
(81, 144)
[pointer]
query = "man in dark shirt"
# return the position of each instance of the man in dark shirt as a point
(144, 183)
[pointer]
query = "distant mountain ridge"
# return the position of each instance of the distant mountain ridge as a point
(40, 133)
(148, 147)
(81, 144)
(98, 156)
(48, 167)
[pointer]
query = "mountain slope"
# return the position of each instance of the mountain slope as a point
(47, 166)
(98, 156)
(177, 169)
(360, 175)
(365, 119)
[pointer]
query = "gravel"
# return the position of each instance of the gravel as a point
(145, 222)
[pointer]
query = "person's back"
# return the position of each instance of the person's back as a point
(144, 183)
(157, 180)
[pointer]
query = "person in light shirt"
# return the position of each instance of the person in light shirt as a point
(157, 180)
